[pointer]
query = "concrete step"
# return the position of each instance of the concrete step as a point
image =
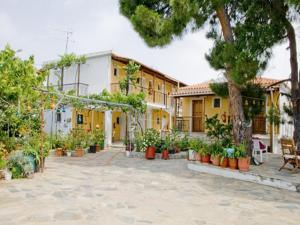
(244, 176)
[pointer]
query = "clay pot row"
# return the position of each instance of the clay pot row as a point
(150, 153)
(79, 152)
(242, 163)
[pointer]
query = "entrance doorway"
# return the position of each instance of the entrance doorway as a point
(197, 120)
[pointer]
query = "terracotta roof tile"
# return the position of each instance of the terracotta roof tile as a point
(204, 89)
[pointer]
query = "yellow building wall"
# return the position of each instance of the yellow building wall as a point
(210, 111)
(89, 121)
(147, 78)
(158, 116)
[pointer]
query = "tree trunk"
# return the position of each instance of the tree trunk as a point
(235, 98)
(294, 81)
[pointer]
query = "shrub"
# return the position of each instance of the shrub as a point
(19, 165)
(183, 143)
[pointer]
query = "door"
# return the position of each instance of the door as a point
(197, 124)
(116, 125)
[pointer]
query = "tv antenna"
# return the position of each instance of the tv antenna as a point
(68, 34)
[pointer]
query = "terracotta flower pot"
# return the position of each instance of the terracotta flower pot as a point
(244, 164)
(224, 162)
(150, 152)
(97, 148)
(232, 162)
(205, 158)
(79, 152)
(215, 160)
(197, 157)
(165, 154)
(59, 152)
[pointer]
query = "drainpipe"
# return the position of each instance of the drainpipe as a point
(272, 124)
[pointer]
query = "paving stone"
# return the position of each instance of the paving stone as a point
(66, 215)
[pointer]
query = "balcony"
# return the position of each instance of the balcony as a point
(82, 88)
(151, 96)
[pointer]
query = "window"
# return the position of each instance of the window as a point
(58, 117)
(158, 87)
(79, 119)
(150, 88)
(116, 71)
(138, 80)
(217, 103)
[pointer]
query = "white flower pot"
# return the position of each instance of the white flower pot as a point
(128, 153)
(69, 154)
(191, 155)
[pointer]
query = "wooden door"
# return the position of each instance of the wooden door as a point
(197, 123)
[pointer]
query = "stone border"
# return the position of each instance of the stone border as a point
(141, 155)
(244, 176)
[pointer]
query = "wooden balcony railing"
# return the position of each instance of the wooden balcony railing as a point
(151, 95)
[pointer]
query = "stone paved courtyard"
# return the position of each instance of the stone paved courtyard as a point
(108, 188)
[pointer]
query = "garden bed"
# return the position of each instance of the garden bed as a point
(141, 155)
(250, 176)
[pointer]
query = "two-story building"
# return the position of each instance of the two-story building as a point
(104, 70)
(196, 102)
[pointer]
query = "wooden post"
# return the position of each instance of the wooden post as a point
(78, 79)
(271, 124)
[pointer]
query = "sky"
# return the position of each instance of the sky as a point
(36, 27)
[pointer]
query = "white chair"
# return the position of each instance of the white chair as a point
(259, 151)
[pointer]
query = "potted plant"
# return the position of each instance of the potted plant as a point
(166, 145)
(150, 140)
(129, 146)
(58, 144)
(216, 151)
(224, 159)
(232, 161)
(79, 142)
(98, 138)
(183, 143)
(205, 153)
(243, 159)
(194, 146)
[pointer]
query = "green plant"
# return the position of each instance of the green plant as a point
(33, 151)
(218, 131)
(216, 149)
(167, 143)
(183, 143)
(240, 151)
(195, 144)
(204, 149)
(2, 164)
(138, 142)
(19, 165)
(224, 154)
(98, 136)
(150, 138)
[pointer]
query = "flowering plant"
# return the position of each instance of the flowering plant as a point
(150, 138)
